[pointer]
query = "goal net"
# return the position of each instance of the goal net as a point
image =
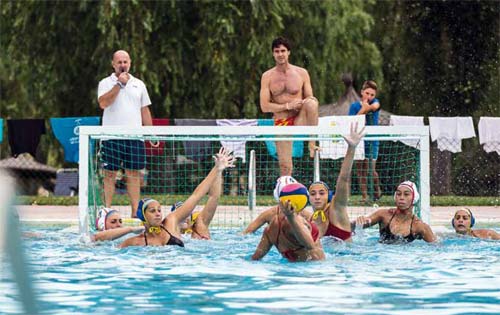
(184, 157)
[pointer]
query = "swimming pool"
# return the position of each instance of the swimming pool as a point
(455, 276)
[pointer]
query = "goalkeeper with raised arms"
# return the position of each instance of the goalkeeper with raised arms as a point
(161, 231)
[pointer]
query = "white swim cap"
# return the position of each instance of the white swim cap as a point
(100, 222)
(280, 183)
(413, 188)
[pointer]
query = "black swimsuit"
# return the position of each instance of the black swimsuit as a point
(386, 236)
(172, 241)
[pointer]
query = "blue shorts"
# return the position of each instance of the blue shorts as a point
(371, 150)
(123, 154)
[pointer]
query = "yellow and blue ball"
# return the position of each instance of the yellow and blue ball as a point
(297, 194)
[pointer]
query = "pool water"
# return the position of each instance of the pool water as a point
(454, 276)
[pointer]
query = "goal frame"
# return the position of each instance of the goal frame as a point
(420, 133)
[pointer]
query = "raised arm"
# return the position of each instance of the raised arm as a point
(297, 222)
(223, 160)
(214, 193)
(367, 108)
(339, 216)
(108, 98)
(265, 217)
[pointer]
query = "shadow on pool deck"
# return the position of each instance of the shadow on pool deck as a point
(69, 214)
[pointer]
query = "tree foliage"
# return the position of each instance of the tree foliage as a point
(199, 59)
(441, 58)
(204, 58)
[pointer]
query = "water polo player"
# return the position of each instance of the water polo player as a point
(296, 238)
(165, 231)
(109, 226)
(464, 220)
(268, 215)
(330, 211)
(399, 224)
(197, 222)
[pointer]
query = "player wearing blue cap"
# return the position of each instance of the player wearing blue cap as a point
(464, 220)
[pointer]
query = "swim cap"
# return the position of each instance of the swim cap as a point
(330, 192)
(413, 188)
(472, 219)
(280, 183)
(100, 221)
(176, 205)
(143, 204)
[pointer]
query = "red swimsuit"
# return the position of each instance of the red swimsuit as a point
(337, 232)
(290, 253)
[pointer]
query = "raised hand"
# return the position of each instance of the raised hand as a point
(224, 159)
(354, 136)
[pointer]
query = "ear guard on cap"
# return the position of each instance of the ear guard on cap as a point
(413, 187)
(143, 204)
(102, 215)
(472, 219)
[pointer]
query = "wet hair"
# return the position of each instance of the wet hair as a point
(281, 41)
(369, 84)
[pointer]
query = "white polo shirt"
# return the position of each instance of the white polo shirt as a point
(126, 109)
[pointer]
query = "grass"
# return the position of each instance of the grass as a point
(262, 200)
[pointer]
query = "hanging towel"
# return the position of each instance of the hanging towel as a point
(489, 134)
(449, 132)
(407, 121)
(297, 146)
(197, 150)
(335, 149)
(67, 133)
(238, 147)
(24, 135)
(150, 150)
(1, 130)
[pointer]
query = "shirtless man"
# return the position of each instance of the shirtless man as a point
(286, 92)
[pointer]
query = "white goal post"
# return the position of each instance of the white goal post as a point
(89, 137)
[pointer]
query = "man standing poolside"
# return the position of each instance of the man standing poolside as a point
(125, 102)
(286, 92)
